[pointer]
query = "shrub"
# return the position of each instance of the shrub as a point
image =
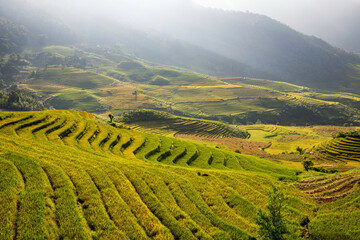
(307, 164)
(323, 170)
(271, 223)
(160, 81)
(300, 150)
(353, 133)
(144, 115)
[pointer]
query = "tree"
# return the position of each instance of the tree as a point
(111, 117)
(271, 223)
(300, 150)
(307, 164)
(135, 93)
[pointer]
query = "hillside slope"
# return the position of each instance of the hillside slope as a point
(37, 28)
(64, 175)
(255, 40)
(210, 41)
(339, 214)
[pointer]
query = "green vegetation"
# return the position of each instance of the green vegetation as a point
(70, 175)
(343, 147)
(74, 177)
(274, 85)
(271, 224)
(285, 138)
(353, 134)
(70, 77)
(110, 77)
(13, 37)
(338, 216)
(307, 164)
(60, 50)
(21, 100)
(78, 100)
(152, 121)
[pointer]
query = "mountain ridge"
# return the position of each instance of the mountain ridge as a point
(219, 43)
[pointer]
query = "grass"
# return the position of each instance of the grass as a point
(9, 184)
(335, 215)
(31, 208)
(70, 88)
(111, 78)
(60, 50)
(164, 123)
(267, 84)
(285, 138)
(77, 100)
(79, 187)
(70, 77)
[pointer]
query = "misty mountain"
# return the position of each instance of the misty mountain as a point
(257, 41)
(346, 34)
(24, 25)
(181, 33)
(337, 22)
(27, 26)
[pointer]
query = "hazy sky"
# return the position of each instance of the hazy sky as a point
(330, 20)
(308, 16)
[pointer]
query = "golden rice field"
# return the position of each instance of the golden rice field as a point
(65, 175)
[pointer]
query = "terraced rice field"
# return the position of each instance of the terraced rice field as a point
(232, 143)
(198, 128)
(284, 139)
(338, 211)
(64, 175)
(329, 189)
(339, 150)
(338, 220)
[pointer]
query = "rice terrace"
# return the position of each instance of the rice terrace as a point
(179, 120)
(66, 175)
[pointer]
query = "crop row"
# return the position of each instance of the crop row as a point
(193, 127)
(329, 189)
(65, 177)
(340, 150)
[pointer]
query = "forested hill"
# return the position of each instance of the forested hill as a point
(24, 25)
(260, 42)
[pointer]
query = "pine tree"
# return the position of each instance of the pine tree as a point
(271, 223)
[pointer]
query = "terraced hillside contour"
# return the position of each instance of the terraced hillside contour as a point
(340, 149)
(329, 189)
(65, 176)
(338, 219)
(162, 123)
(338, 198)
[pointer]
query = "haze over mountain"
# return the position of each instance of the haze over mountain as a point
(332, 20)
(185, 34)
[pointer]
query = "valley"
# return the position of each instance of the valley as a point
(106, 85)
(188, 156)
(127, 120)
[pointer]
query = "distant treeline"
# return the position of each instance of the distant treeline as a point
(143, 115)
(291, 114)
(20, 100)
(353, 134)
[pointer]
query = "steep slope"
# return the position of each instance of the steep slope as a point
(210, 41)
(338, 218)
(261, 43)
(64, 175)
(41, 28)
(344, 147)
(38, 28)
(131, 84)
